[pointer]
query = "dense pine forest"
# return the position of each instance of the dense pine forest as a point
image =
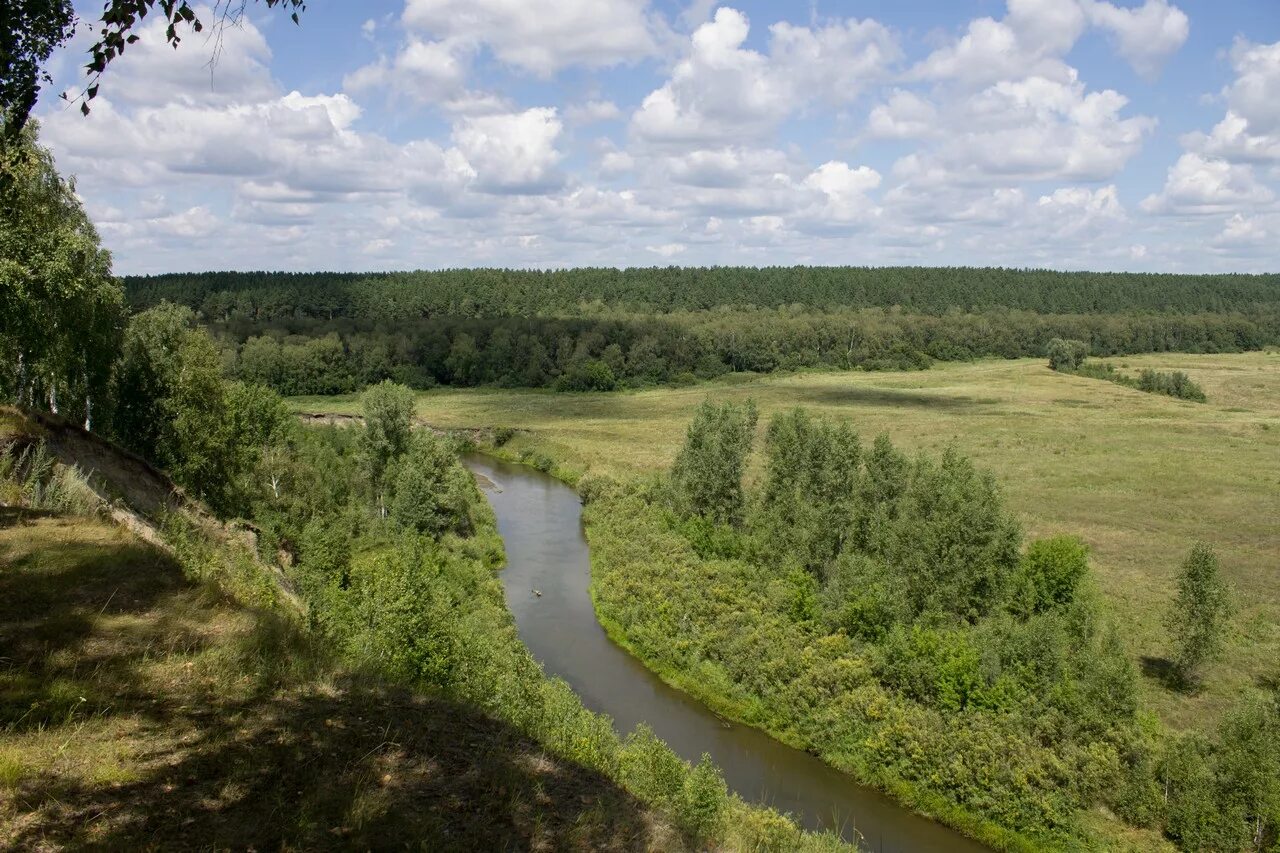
(597, 329)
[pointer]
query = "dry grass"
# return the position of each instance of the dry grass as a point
(139, 710)
(1138, 476)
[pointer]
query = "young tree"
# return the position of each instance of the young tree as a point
(1197, 620)
(388, 425)
(707, 475)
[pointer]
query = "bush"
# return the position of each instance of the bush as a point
(1066, 355)
(593, 375)
(706, 798)
(432, 491)
(1049, 572)
(1175, 384)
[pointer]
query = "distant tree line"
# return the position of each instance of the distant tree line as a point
(262, 296)
(582, 353)
(597, 329)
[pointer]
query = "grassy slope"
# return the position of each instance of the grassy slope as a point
(139, 709)
(1139, 476)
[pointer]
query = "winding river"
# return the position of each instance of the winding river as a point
(540, 520)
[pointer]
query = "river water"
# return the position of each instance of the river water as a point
(540, 520)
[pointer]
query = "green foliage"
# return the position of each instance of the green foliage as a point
(1049, 573)
(175, 408)
(902, 654)
(432, 491)
(1199, 614)
(388, 423)
(810, 487)
(31, 477)
(592, 375)
(939, 667)
(947, 535)
(1174, 384)
(706, 800)
(61, 311)
(1066, 355)
(707, 476)
(29, 32)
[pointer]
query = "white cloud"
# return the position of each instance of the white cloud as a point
(905, 115)
(514, 152)
(1030, 40)
(1250, 131)
(541, 36)
(592, 111)
(722, 91)
(1035, 35)
(1030, 129)
(844, 190)
(991, 150)
(1145, 36)
(426, 71)
(1198, 185)
(1244, 231)
(667, 250)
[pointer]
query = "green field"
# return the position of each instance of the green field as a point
(1138, 476)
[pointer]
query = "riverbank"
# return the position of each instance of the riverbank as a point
(721, 692)
(547, 582)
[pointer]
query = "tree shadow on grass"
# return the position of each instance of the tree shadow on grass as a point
(1166, 672)
(889, 397)
(174, 749)
(368, 768)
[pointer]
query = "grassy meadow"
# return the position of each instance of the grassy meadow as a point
(1138, 476)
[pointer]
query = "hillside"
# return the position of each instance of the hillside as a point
(142, 708)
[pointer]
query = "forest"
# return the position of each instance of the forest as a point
(581, 330)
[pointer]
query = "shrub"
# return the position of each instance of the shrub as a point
(1066, 354)
(432, 491)
(1049, 572)
(593, 375)
(1175, 384)
(707, 474)
(706, 798)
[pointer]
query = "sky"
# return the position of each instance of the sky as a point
(424, 134)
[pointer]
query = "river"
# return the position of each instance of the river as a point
(540, 520)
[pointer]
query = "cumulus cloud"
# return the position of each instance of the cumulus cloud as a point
(722, 91)
(513, 152)
(765, 145)
(541, 36)
(1035, 35)
(1146, 36)
(1250, 131)
(1030, 129)
(1199, 185)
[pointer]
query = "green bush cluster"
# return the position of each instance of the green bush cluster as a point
(1172, 384)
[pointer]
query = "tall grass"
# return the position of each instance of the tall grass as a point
(31, 477)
